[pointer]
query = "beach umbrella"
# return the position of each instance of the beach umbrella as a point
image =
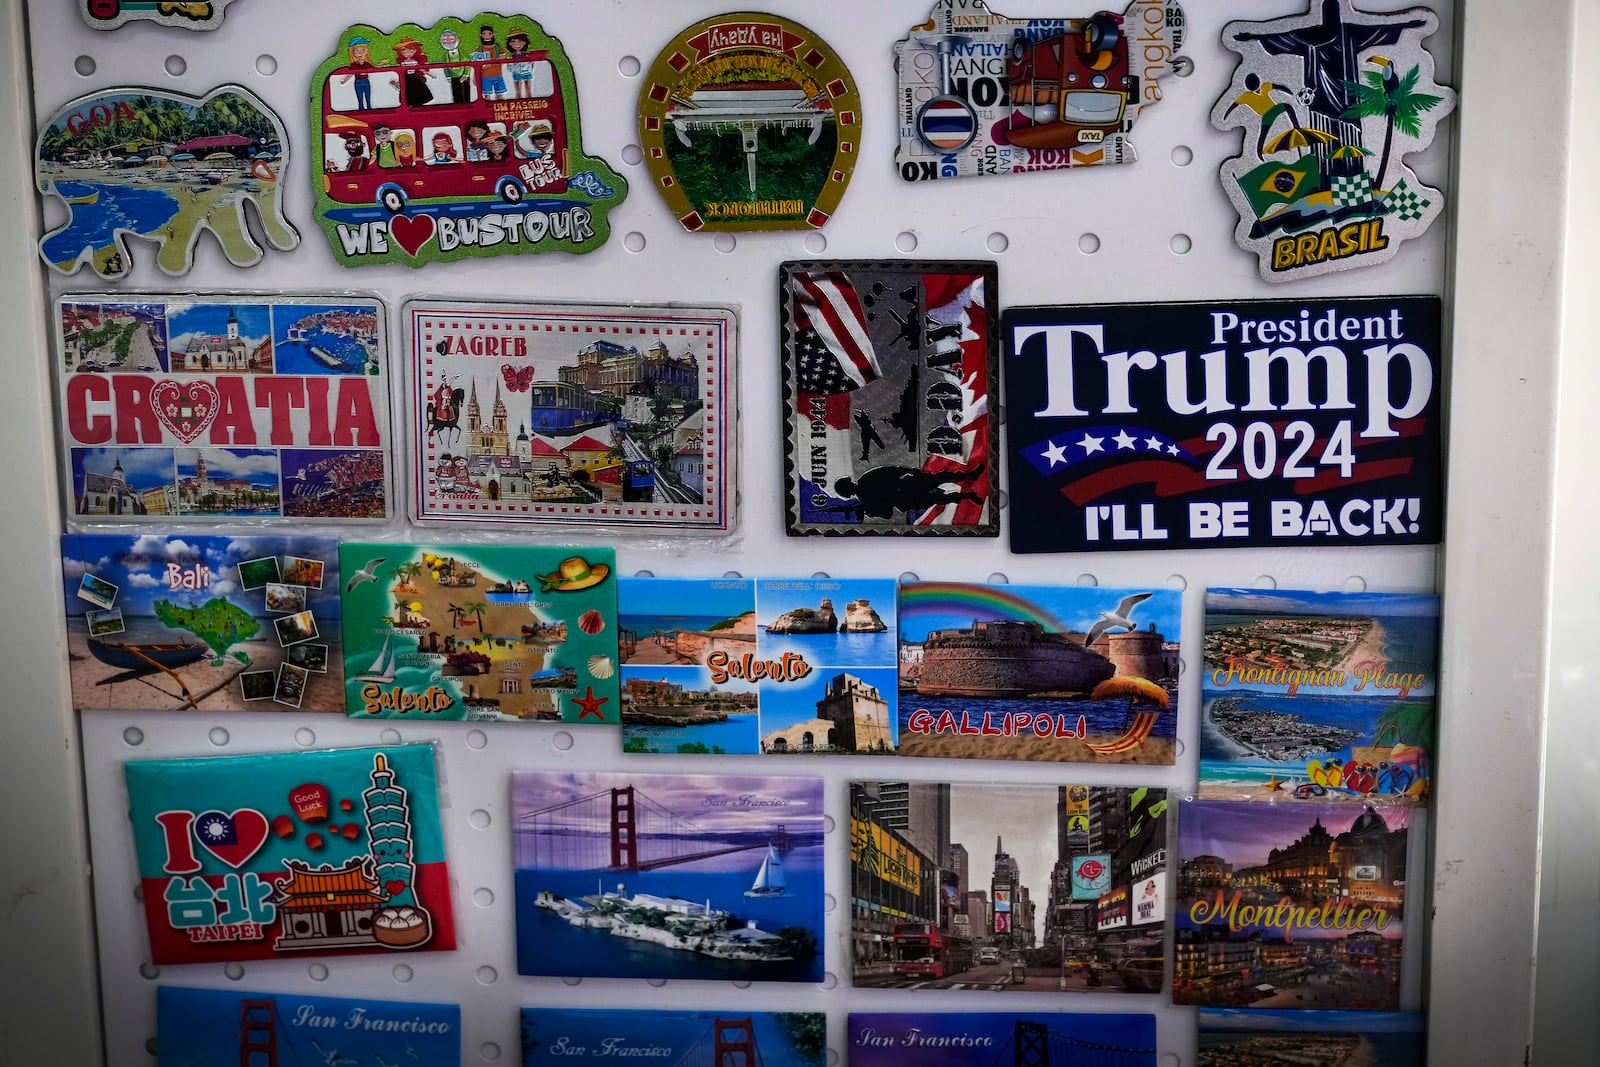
(1134, 690)
(183, 157)
(1349, 151)
(219, 156)
(1295, 137)
(134, 161)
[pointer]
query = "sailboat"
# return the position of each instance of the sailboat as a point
(769, 879)
(382, 669)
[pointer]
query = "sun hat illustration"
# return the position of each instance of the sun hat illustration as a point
(574, 573)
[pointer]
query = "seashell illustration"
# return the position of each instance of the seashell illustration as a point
(601, 667)
(591, 622)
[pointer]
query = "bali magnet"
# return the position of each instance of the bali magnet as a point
(983, 94)
(454, 140)
(191, 15)
(163, 166)
(750, 122)
(1330, 103)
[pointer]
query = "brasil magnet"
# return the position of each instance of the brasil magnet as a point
(750, 122)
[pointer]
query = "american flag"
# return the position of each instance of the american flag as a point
(833, 352)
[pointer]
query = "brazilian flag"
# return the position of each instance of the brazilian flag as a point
(1274, 184)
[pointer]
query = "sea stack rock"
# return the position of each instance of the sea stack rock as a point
(806, 621)
(859, 618)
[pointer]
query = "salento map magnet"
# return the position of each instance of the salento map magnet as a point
(1076, 674)
(1330, 103)
(203, 622)
(487, 633)
(983, 94)
(1074, 899)
(745, 666)
(188, 14)
(1287, 1038)
(162, 166)
(960, 1039)
(613, 416)
(1290, 905)
(1260, 424)
(889, 377)
(249, 405)
(434, 143)
(576, 1035)
(326, 853)
(224, 1028)
(1318, 695)
(668, 876)
(749, 121)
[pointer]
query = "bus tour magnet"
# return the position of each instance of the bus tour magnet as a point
(190, 15)
(1330, 103)
(163, 166)
(454, 140)
(750, 122)
(984, 94)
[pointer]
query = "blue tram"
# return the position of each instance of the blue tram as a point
(563, 407)
(638, 480)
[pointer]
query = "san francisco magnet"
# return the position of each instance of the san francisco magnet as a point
(190, 15)
(750, 122)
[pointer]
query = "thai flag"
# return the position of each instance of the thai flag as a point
(833, 352)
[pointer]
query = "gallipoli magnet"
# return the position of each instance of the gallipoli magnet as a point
(749, 121)
(958, 1039)
(1318, 695)
(308, 853)
(1230, 1036)
(983, 94)
(773, 1039)
(489, 633)
(888, 373)
(245, 406)
(162, 166)
(1077, 674)
(613, 416)
(1073, 900)
(1290, 905)
(743, 666)
(224, 1028)
(202, 622)
(1330, 103)
(668, 876)
(454, 140)
(1262, 424)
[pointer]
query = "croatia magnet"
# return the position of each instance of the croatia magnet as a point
(454, 140)
(188, 14)
(983, 94)
(1330, 103)
(164, 167)
(750, 122)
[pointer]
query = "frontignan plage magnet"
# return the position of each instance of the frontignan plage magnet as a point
(1330, 102)
(750, 122)
(190, 15)
(162, 166)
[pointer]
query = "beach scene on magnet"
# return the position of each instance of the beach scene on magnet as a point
(1074, 898)
(201, 622)
(742, 666)
(1318, 696)
(967, 1038)
(1074, 674)
(589, 415)
(668, 876)
(325, 853)
(1244, 1037)
(455, 140)
(749, 121)
(981, 94)
(579, 1035)
(484, 633)
(1290, 905)
(242, 406)
(183, 14)
(1330, 103)
(889, 370)
(165, 168)
(223, 1028)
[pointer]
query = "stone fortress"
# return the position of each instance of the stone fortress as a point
(852, 716)
(1020, 658)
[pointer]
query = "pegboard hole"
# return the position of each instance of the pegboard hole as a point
(133, 736)
(1181, 746)
(908, 576)
(741, 983)
(829, 980)
(1171, 1059)
(1355, 584)
(490, 1051)
(1177, 581)
(999, 579)
(820, 574)
(1180, 244)
(479, 819)
(266, 66)
(483, 896)
(149, 971)
(1088, 580)
(572, 980)
(487, 975)
(905, 241)
(628, 66)
(151, 1047)
(403, 973)
(725, 243)
(833, 1058)
(1183, 665)
(477, 739)
(1089, 244)
(84, 65)
(632, 155)
(562, 741)
(305, 737)
(997, 243)
(656, 982)
(827, 824)
(829, 902)
(816, 244)
(176, 66)
(390, 736)
(633, 241)
(1004, 499)
(732, 574)
(219, 736)
(1182, 155)
(644, 574)
(317, 972)
(138, 890)
(233, 971)
(1265, 581)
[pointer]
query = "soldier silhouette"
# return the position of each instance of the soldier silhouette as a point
(881, 491)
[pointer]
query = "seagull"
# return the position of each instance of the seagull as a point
(1120, 617)
(412, 1052)
(369, 573)
(334, 1058)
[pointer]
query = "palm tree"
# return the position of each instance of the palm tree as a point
(456, 615)
(477, 609)
(1395, 99)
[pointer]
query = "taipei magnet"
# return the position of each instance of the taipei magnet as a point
(453, 140)
(162, 166)
(1330, 103)
(983, 94)
(191, 15)
(750, 122)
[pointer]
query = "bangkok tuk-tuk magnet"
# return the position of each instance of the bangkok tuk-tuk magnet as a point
(153, 164)
(190, 15)
(1330, 102)
(750, 122)
(984, 94)
(453, 140)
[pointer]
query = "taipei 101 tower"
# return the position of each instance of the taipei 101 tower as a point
(402, 923)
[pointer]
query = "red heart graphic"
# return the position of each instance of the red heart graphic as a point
(411, 233)
(233, 839)
(394, 885)
(185, 410)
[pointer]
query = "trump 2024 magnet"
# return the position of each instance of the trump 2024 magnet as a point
(1330, 103)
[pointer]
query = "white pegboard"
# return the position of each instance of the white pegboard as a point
(1037, 227)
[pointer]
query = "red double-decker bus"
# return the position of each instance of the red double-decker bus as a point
(921, 950)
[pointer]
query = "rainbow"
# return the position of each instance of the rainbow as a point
(986, 602)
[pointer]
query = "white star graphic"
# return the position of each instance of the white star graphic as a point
(1123, 440)
(1153, 443)
(1172, 450)
(1091, 445)
(1056, 453)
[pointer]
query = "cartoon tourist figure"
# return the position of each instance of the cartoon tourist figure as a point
(383, 146)
(360, 67)
(405, 149)
(534, 139)
(409, 55)
(881, 491)
(496, 145)
(1258, 98)
(476, 131)
(493, 82)
(521, 66)
(355, 146)
(444, 149)
(460, 76)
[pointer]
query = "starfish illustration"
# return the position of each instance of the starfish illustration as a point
(590, 704)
